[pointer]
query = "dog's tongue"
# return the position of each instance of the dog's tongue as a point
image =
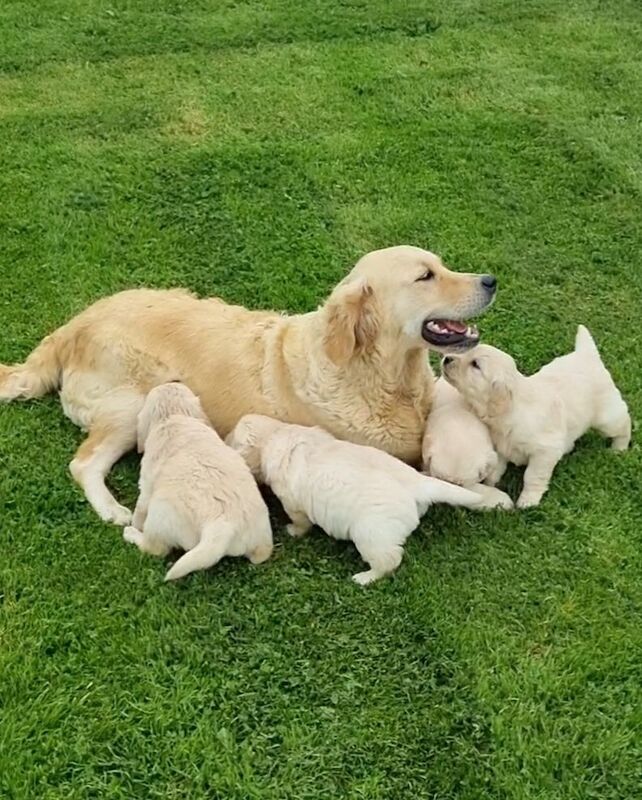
(454, 326)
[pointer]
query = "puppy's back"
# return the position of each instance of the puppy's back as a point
(196, 469)
(337, 481)
(585, 388)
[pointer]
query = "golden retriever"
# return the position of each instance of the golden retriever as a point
(353, 492)
(195, 492)
(535, 420)
(356, 366)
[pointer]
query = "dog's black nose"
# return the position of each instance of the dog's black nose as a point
(489, 282)
(447, 360)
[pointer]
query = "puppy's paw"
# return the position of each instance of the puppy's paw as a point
(295, 531)
(528, 500)
(492, 497)
(364, 578)
(132, 535)
(504, 502)
(621, 444)
(117, 514)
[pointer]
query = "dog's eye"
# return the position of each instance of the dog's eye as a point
(475, 364)
(427, 276)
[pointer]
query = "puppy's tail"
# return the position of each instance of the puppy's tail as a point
(584, 342)
(38, 375)
(215, 540)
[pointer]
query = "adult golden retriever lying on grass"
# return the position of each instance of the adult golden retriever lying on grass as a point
(356, 366)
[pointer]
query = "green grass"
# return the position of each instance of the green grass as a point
(254, 150)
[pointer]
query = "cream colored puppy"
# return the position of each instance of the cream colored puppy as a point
(457, 446)
(535, 420)
(352, 491)
(195, 493)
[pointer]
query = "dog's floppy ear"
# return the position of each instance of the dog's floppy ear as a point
(351, 321)
(500, 397)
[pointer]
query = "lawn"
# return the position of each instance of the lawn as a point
(254, 150)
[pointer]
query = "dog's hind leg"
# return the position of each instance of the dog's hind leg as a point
(261, 546)
(434, 490)
(380, 545)
(615, 423)
(111, 434)
(492, 497)
(102, 448)
(381, 563)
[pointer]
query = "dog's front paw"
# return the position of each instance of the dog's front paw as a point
(365, 578)
(131, 535)
(119, 515)
(528, 500)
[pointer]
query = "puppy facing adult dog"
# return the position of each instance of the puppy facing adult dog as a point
(195, 492)
(357, 366)
(457, 446)
(535, 420)
(353, 492)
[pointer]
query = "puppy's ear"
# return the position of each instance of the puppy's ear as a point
(500, 398)
(351, 321)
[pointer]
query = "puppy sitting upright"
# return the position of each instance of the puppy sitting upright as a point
(536, 420)
(353, 492)
(195, 493)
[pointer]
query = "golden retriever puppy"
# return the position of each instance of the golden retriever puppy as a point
(356, 366)
(457, 446)
(351, 491)
(195, 493)
(535, 420)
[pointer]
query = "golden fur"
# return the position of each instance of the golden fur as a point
(356, 366)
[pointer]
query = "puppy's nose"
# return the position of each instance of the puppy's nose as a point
(447, 360)
(489, 282)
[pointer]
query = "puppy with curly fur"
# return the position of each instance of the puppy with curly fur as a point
(535, 420)
(351, 491)
(195, 493)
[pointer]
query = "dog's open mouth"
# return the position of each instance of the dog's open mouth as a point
(449, 334)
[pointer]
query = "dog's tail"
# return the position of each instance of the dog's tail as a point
(215, 540)
(584, 342)
(40, 373)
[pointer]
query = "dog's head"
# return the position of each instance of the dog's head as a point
(249, 437)
(407, 296)
(486, 378)
(164, 401)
